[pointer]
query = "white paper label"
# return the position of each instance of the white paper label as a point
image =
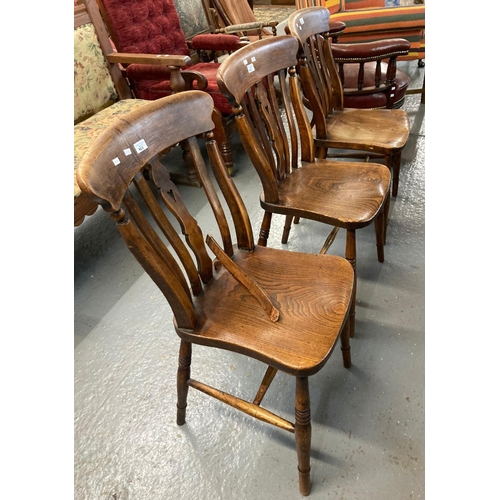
(127, 152)
(250, 68)
(116, 162)
(140, 146)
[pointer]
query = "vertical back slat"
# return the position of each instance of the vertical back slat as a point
(292, 129)
(163, 275)
(253, 113)
(172, 199)
(168, 230)
(213, 199)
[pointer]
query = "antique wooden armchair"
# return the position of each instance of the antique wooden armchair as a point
(101, 93)
(153, 27)
(344, 194)
(232, 16)
(285, 309)
(374, 132)
(371, 20)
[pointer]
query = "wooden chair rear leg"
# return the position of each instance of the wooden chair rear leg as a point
(396, 164)
(303, 433)
(350, 255)
(223, 138)
(387, 206)
(380, 232)
(183, 375)
(192, 178)
(286, 229)
(264, 229)
(345, 344)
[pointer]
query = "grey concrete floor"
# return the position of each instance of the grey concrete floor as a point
(367, 421)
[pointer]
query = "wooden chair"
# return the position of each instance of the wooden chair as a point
(346, 195)
(233, 16)
(153, 27)
(368, 71)
(285, 309)
(378, 133)
(372, 20)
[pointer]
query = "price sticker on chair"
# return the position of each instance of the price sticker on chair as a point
(250, 66)
(140, 146)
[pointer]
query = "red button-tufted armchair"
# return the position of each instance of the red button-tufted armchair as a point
(153, 27)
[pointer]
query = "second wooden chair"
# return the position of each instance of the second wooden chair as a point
(348, 195)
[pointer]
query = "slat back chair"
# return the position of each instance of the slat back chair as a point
(286, 309)
(379, 133)
(272, 122)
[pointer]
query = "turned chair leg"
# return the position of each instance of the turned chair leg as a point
(286, 229)
(183, 374)
(303, 433)
(387, 206)
(350, 255)
(396, 164)
(345, 344)
(223, 138)
(379, 232)
(264, 229)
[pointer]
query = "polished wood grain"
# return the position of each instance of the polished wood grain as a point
(380, 133)
(286, 309)
(261, 82)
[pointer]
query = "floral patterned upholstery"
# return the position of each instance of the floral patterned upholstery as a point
(97, 103)
(93, 87)
(86, 131)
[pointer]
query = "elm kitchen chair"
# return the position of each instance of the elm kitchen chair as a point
(374, 132)
(285, 309)
(347, 194)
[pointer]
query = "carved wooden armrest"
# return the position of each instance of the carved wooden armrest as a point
(244, 280)
(153, 59)
(161, 66)
(336, 28)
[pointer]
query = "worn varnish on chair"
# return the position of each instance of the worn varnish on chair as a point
(286, 309)
(379, 133)
(271, 120)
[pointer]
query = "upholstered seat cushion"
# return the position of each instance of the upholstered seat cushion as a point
(85, 132)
